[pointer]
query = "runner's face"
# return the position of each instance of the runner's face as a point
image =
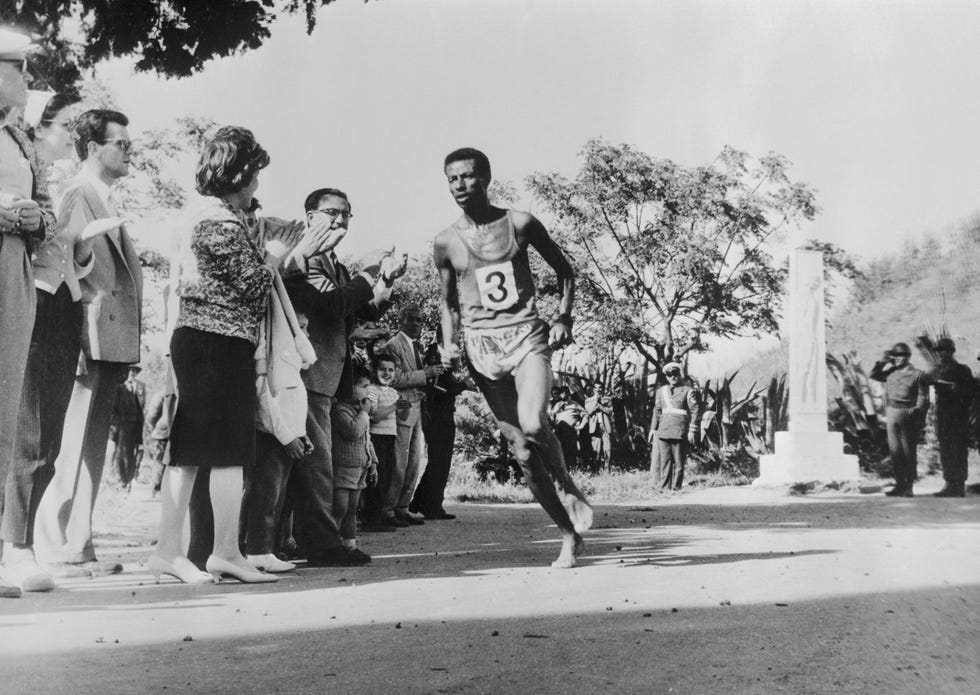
(466, 184)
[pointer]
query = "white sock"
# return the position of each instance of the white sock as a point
(349, 543)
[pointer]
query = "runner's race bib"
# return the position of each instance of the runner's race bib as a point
(498, 289)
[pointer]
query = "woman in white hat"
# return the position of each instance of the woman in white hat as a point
(50, 116)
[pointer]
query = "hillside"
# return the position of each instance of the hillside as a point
(928, 284)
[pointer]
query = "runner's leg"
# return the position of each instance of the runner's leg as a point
(502, 398)
(532, 379)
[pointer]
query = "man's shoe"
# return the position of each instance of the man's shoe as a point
(951, 491)
(409, 519)
(897, 491)
(378, 528)
(440, 516)
(338, 556)
(9, 591)
(358, 557)
(394, 521)
(97, 568)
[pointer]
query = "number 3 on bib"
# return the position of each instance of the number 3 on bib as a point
(498, 290)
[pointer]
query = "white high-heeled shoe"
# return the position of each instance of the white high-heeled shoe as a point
(184, 571)
(218, 566)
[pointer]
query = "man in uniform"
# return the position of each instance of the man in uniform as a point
(676, 415)
(906, 402)
(955, 388)
(487, 286)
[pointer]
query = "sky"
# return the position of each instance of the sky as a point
(876, 104)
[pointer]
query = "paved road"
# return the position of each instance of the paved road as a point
(719, 591)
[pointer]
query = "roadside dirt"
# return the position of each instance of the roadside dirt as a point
(726, 590)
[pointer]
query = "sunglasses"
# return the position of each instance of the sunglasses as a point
(20, 62)
(126, 146)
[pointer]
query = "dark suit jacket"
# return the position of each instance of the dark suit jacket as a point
(331, 299)
(112, 294)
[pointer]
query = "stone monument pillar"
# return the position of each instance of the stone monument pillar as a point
(808, 452)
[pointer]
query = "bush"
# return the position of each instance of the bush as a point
(475, 427)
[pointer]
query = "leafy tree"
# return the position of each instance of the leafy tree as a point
(667, 255)
(174, 38)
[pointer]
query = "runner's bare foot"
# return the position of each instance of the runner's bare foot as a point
(579, 512)
(571, 548)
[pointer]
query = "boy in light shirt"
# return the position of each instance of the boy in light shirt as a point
(383, 399)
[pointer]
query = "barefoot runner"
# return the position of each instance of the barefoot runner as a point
(488, 287)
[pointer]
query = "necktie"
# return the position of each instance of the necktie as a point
(418, 354)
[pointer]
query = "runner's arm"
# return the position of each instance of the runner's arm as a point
(450, 303)
(538, 237)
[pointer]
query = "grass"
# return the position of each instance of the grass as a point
(603, 488)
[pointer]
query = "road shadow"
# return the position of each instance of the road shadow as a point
(885, 642)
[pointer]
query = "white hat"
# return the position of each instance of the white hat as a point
(37, 101)
(672, 367)
(13, 41)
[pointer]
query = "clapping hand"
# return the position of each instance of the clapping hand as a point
(275, 252)
(392, 269)
(372, 261)
(97, 228)
(320, 237)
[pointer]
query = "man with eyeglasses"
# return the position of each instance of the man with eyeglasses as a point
(906, 403)
(25, 221)
(331, 297)
(955, 389)
(101, 297)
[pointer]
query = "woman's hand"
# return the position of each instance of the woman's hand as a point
(275, 252)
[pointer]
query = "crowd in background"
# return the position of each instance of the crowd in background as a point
(280, 408)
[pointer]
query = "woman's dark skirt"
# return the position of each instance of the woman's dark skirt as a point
(215, 421)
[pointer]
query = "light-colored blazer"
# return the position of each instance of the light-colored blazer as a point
(54, 262)
(112, 294)
(410, 378)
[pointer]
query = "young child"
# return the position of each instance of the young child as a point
(354, 460)
(384, 428)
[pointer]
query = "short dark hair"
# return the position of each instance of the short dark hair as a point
(56, 103)
(229, 161)
(90, 127)
(312, 201)
(407, 309)
(382, 357)
(469, 153)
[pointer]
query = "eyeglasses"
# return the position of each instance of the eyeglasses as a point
(334, 213)
(21, 62)
(126, 146)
